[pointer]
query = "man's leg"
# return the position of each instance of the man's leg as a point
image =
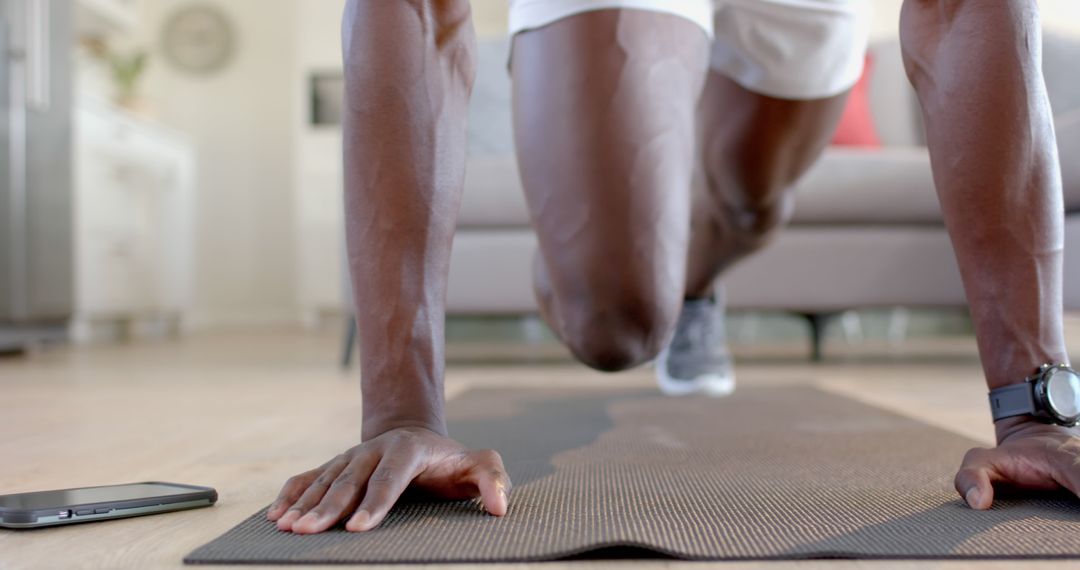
(604, 120)
(779, 78)
(754, 148)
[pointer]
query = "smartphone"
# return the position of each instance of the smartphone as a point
(86, 504)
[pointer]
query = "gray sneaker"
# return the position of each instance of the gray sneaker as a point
(697, 360)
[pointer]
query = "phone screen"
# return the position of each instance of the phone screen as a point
(67, 497)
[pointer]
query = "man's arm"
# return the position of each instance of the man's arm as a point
(408, 74)
(976, 67)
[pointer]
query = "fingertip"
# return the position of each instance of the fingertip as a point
(314, 522)
(306, 524)
(979, 499)
(503, 502)
(286, 521)
(359, 521)
(495, 508)
(499, 509)
(496, 499)
(972, 498)
(973, 483)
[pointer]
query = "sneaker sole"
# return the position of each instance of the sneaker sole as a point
(712, 385)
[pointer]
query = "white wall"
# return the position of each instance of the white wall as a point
(1061, 15)
(240, 121)
(317, 202)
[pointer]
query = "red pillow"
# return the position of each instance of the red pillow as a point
(856, 126)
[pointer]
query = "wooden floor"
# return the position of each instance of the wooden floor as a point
(242, 412)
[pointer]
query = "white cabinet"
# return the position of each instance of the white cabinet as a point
(134, 224)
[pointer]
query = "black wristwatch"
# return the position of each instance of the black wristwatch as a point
(1052, 395)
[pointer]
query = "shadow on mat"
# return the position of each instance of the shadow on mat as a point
(956, 523)
(543, 428)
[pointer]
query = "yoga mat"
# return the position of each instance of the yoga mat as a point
(768, 473)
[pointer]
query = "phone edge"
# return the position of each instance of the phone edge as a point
(121, 513)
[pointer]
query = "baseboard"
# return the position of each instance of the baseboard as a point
(215, 320)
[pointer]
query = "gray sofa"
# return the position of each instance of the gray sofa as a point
(867, 229)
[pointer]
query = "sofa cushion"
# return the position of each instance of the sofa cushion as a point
(493, 196)
(1060, 54)
(864, 187)
(815, 269)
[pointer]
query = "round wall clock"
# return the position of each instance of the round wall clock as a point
(198, 39)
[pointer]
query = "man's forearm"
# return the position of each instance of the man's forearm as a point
(976, 68)
(408, 75)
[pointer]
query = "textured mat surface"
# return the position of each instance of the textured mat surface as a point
(767, 473)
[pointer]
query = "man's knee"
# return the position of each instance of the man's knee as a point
(754, 222)
(611, 335)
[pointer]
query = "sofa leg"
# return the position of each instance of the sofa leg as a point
(350, 343)
(818, 322)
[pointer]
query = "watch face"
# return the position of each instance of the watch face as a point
(1063, 392)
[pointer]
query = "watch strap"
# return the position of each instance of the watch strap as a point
(1012, 400)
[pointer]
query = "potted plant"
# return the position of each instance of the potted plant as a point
(126, 69)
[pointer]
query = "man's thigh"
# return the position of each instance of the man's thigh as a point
(604, 118)
(779, 74)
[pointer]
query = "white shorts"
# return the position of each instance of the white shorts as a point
(790, 49)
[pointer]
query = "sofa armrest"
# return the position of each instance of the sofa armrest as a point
(1067, 127)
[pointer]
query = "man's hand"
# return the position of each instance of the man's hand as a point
(1030, 455)
(368, 479)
